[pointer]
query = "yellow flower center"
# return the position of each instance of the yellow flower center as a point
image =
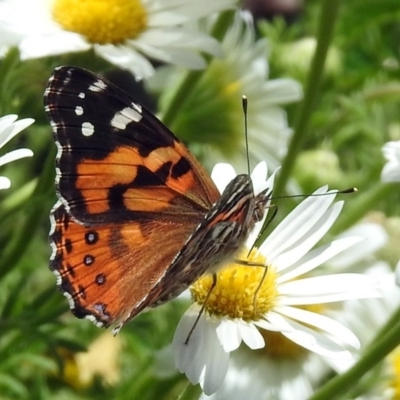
(395, 376)
(101, 21)
(241, 291)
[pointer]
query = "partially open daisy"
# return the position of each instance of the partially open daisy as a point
(211, 117)
(274, 297)
(124, 32)
(391, 170)
(9, 127)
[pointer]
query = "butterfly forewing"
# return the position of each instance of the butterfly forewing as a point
(114, 155)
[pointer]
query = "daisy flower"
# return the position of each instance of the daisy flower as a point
(391, 170)
(211, 116)
(366, 318)
(273, 298)
(254, 375)
(124, 32)
(283, 370)
(9, 127)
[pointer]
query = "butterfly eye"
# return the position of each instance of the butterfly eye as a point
(258, 212)
(259, 207)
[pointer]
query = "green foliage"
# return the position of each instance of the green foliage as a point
(354, 112)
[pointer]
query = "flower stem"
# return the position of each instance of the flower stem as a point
(379, 348)
(327, 20)
(192, 77)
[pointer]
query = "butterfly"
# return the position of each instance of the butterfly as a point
(138, 218)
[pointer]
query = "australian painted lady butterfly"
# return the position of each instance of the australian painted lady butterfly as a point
(138, 218)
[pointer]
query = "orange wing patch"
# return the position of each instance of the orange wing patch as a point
(162, 180)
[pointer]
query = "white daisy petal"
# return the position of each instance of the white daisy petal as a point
(152, 28)
(373, 237)
(215, 370)
(228, 335)
(315, 232)
(202, 358)
(309, 338)
(186, 353)
(222, 174)
(250, 335)
(328, 288)
(9, 127)
(258, 177)
(297, 224)
(172, 12)
(5, 183)
(398, 273)
(317, 257)
(321, 322)
(316, 342)
(15, 155)
(391, 170)
(128, 58)
(37, 46)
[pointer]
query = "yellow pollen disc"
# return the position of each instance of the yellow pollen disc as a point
(235, 292)
(394, 382)
(232, 88)
(101, 21)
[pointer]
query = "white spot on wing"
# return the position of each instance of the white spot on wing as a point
(98, 86)
(137, 107)
(87, 129)
(92, 318)
(70, 300)
(81, 95)
(78, 110)
(122, 118)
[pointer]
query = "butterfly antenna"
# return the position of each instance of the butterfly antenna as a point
(246, 136)
(293, 196)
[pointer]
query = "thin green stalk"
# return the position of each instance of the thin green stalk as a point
(327, 20)
(192, 77)
(379, 348)
(17, 248)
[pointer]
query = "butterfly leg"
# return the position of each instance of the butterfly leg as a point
(254, 264)
(213, 284)
(259, 287)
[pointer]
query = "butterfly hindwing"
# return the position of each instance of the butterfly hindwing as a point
(107, 271)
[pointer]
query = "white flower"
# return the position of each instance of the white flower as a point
(255, 376)
(391, 170)
(211, 116)
(365, 318)
(281, 370)
(374, 237)
(9, 127)
(246, 299)
(124, 32)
